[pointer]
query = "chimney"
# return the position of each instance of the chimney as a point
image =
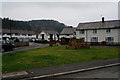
(103, 19)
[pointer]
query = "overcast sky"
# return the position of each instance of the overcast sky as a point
(69, 13)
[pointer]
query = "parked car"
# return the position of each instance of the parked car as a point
(32, 40)
(7, 45)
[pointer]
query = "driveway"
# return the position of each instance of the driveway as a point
(30, 47)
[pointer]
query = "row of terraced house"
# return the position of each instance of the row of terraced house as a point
(90, 31)
(6, 34)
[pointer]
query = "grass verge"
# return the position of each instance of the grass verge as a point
(52, 56)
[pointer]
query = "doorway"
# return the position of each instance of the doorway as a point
(43, 37)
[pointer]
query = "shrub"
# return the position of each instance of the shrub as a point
(41, 41)
(94, 43)
(64, 41)
(21, 44)
(16, 40)
(77, 44)
(103, 43)
(58, 44)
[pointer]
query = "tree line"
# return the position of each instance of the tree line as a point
(33, 25)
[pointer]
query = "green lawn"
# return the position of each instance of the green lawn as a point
(52, 56)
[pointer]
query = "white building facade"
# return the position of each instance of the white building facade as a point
(99, 31)
(20, 34)
(48, 34)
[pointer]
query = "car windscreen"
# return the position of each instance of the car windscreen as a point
(3, 42)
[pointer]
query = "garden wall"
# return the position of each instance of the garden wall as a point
(21, 44)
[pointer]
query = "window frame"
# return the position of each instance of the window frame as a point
(67, 34)
(109, 39)
(94, 40)
(82, 32)
(94, 31)
(108, 30)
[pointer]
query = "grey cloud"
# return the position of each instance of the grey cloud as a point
(70, 13)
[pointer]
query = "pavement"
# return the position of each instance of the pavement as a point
(109, 72)
(30, 47)
(42, 72)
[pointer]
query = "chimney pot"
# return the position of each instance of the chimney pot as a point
(103, 19)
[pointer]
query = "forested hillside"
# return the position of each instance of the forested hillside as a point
(34, 25)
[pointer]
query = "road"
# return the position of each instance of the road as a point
(110, 72)
(30, 47)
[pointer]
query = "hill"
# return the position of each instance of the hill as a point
(33, 25)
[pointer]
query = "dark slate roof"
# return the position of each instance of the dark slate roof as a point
(99, 25)
(68, 30)
(18, 31)
(50, 31)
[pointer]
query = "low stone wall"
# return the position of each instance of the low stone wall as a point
(21, 44)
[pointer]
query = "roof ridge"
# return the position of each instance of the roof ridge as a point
(98, 21)
(99, 25)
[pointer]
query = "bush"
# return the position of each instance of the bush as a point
(16, 40)
(41, 41)
(77, 44)
(103, 43)
(64, 41)
(94, 43)
(53, 42)
(57, 43)
(21, 44)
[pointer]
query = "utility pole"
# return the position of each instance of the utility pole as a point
(10, 30)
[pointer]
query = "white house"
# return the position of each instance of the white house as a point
(99, 31)
(48, 35)
(20, 34)
(68, 32)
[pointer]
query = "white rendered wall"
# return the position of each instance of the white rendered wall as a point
(47, 36)
(101, 34)
(70, 36)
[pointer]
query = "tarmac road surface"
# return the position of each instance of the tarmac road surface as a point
(30, 47)
(109, 72)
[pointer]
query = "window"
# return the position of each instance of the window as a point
(108, 30)
(43, 36)
(29, 34)
(95, 31)
(17, 34)
(3, 34)
(82, 31)
(109, 39)
(8, 33)
(67, 34)
(94, 39)
(24, 34)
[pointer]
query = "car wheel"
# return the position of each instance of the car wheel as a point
(12, 49)
(3, 50)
